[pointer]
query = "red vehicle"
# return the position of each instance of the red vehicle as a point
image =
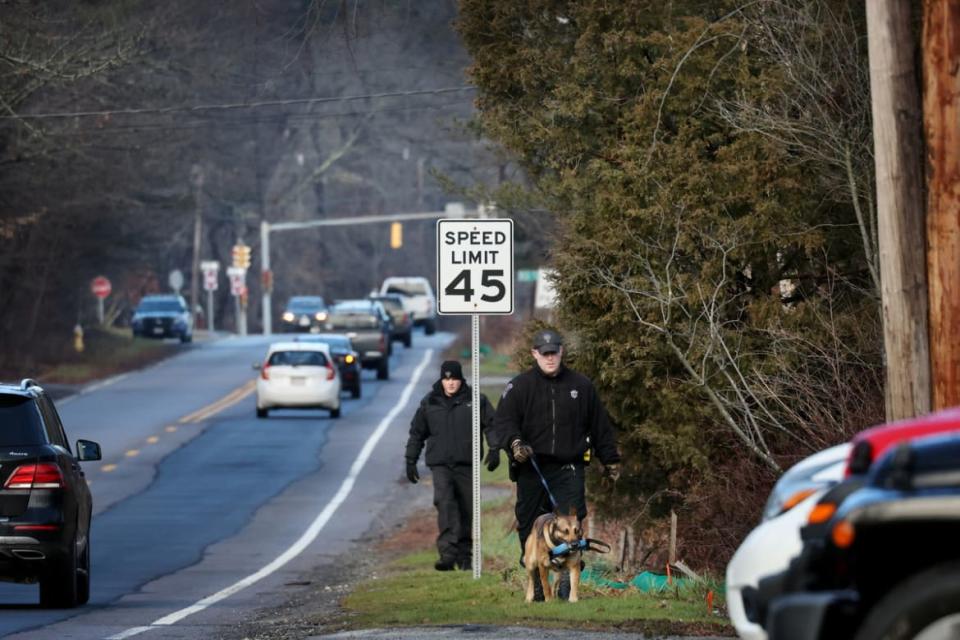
(870, 444)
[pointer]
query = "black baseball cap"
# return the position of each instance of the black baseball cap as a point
(547, 341)
(451, 370)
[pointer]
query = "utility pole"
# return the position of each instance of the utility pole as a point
(196, 176)
(897, 139)
(941, 110)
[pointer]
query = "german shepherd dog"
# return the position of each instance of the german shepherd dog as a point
(549, 530)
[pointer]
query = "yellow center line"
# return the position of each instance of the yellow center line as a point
(107, 468)
(170, 429)
(132, 453)
(225, 402)
(153, 440)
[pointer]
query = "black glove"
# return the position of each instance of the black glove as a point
(521, 451)
(412, 474)
(493, 459)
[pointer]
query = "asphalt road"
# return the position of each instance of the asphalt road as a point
(203, 511)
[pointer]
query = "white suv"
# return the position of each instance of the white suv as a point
(418, 299)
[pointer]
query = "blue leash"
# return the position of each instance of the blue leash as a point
(543, 481)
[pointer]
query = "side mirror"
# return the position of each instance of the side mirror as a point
(257, 366)
(88, 450)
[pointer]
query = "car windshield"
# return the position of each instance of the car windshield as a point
(154, 305)
(305, 304)
(297, 358)
(407, 288)
(19, 422)
(346, 319)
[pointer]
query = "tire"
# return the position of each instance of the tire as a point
(430, 327)
(83, 574)
(335, 413)
(383, 369)
(914, 605)
(262, 413)
(58, 588)
(408, 339)
(355, 392)
(184, 339)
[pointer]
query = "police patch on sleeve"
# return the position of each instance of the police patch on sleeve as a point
(574, 393)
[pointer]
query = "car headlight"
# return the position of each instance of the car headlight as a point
(288, 317)
(321, 316)
(349, 359)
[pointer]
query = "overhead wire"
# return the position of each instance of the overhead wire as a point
(259, 104)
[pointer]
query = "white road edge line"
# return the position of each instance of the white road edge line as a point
(312, 531)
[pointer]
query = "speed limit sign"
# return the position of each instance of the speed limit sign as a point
(475, 266)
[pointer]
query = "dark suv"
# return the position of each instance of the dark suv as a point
(162, 316)
(45, 505)
(304, 313)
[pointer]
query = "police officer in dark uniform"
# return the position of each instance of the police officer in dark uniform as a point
(553, 414)
(444, 421)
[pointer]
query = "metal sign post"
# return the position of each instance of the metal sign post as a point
(475, 276)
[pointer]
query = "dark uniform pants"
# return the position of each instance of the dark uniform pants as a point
(567, 483)
(453, 498)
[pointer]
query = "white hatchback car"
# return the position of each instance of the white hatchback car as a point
(769, 548)
(298, 375)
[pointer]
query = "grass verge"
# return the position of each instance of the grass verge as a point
(106, 352)
(409, 592)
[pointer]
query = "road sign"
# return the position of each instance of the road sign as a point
(210, 281)
(475, 266)
(100, 287)
(175, 280)
(209, 265)
(238, 278)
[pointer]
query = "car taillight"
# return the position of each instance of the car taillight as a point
(264, 373)
(331, 372)
(35, 476)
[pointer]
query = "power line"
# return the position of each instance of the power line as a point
(231, 105)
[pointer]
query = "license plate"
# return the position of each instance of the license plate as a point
(304, 322)
(298, 382)
(158, 330)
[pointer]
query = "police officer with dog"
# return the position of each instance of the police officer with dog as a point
(548, 420)
(444, 421)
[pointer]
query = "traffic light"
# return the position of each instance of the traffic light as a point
(396, 235)
(241, 256)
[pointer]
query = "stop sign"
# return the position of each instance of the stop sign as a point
(100, 287)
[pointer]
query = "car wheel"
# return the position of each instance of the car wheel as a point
(186, 338)
(58, 588)
(430, 327)
(919, 607)
(355, 392)
(408, 339)
(335, 413)
(262, 413)
(83, 573)
(383, 369)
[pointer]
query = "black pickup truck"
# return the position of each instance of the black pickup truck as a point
(886, 564)
(368, 326)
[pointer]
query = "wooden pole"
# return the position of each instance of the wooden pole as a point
(941, 117)
(900, 214)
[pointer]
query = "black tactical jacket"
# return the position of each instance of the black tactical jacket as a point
(555, 416)
(446, 425)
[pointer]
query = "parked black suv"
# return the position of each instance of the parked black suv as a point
(162, 316)
(45, 505)
(885, 564)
